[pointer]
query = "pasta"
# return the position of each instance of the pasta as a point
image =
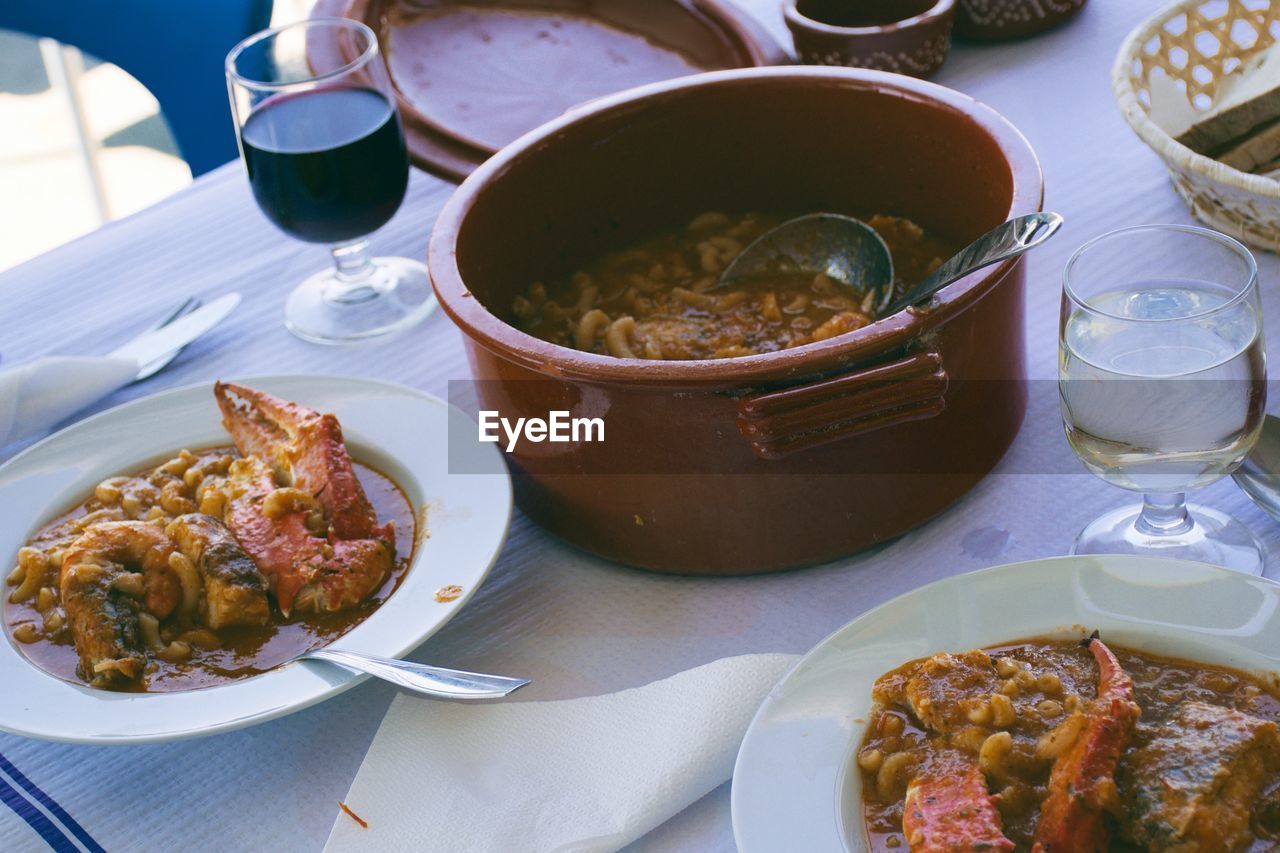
(32, 565)
(618, 338)
(660, 300)
(190, 580)
(891, 777)
(284, 501)
(1055, 742)
(590, 324)
(993, 752)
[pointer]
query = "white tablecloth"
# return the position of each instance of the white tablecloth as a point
(574, 624)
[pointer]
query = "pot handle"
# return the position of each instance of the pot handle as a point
(779, 423)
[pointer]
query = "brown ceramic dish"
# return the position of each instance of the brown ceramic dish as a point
(472, 75)
(992, 20)
(769, 461)
(902, 36)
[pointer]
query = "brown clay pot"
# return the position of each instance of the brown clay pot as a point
(902, 36)
(995, 20)
(770, 461)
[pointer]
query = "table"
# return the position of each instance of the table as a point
(575, 624)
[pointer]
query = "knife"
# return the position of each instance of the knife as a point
(160, 342)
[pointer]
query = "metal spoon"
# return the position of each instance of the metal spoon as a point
(1259, 476)
(1004, 241)
(849, 251)
(434, 681)
(846, 249)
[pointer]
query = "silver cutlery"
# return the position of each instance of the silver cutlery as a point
(151, 368)
(434, 681)
(155, 348)
(851, 252)
(1018, 235)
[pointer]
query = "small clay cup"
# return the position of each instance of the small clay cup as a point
(998, 20)
(903, 36)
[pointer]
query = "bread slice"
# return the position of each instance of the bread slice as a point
(1256, 152)
(1248, 99)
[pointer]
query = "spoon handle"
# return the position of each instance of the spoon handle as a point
(433, 681)
(1004, 241)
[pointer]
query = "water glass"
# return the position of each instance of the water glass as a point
(1162, 375)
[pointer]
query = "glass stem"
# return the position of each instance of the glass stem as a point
(1164, 514)
(353, 268)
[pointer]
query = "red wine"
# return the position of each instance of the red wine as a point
(327, 165)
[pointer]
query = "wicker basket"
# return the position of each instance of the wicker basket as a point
(1196, 43)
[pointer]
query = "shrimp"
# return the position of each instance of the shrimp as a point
(110, 574)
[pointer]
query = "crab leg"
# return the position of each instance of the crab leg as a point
(948, 810)
(303, 448)
(1082, 787)
(296, 506)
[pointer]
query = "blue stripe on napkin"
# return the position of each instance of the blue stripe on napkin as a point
(22, 799)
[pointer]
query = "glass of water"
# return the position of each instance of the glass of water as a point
(1162, 374)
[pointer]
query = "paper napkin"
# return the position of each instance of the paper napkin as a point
(39, 394)
(578, 775)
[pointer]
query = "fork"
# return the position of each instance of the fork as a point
(153, 367)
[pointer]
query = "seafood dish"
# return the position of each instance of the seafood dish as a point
(216, 564)
(659, 299)
(1052, 745)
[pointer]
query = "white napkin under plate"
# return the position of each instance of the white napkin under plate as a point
(591, 774)
(39, 394)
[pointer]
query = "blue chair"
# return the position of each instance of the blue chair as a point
(173, 47)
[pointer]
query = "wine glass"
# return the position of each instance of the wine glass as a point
(325, 153)
(1162, 375)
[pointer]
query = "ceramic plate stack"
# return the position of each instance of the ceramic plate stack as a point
(472, 77)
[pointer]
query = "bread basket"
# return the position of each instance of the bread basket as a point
(1197, 43)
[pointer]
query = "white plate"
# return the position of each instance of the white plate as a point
(793, 788)
(401, 432)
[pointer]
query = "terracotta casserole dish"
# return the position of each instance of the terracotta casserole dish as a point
(770, 461)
